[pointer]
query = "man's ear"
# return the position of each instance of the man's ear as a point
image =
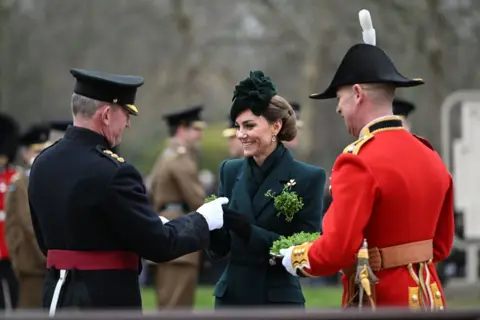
(358, 93)
(106, 113)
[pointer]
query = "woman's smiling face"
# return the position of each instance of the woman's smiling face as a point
(255, 133)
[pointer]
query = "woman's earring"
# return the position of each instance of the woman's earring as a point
(274, 138)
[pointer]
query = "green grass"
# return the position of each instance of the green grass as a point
(323, 298)
(316, 298)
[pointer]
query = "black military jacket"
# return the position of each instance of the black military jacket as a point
(83, 198)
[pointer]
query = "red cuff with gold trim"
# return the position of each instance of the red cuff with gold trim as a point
(299, 259)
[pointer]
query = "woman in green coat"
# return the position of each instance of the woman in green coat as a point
(251, 221)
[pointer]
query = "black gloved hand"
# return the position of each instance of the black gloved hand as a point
(237, 222)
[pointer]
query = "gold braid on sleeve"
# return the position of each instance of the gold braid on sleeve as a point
(299, 259)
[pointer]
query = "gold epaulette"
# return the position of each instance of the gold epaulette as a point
(113, 155)
(354, 147)
(110, 154)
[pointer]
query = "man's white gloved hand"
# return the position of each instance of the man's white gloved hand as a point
(212, 212)
(287, 260)
(164, 220)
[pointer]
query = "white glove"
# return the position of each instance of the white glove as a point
(164, 220)
(212, 212)
(287, 260)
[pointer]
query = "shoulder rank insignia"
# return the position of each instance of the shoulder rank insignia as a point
(110, 154)
(354, 147)
(113, 155)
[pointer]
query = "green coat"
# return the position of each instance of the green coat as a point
(249, 279)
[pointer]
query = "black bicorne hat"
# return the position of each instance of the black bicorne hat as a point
(365, 63)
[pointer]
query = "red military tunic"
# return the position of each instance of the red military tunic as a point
(390, 188)
(6, 175)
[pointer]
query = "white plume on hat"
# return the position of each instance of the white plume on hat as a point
(367, 27)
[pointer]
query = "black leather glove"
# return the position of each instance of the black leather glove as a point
(237, 222)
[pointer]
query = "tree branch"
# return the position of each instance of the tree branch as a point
(282, 15)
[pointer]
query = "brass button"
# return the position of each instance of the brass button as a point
(441, 308)
(438, 294)
(415, 297)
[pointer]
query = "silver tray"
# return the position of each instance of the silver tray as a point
(274, 258)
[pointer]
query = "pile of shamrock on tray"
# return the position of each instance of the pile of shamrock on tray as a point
(293, 240)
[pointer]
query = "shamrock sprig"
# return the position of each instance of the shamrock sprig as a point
(210, 198)
(287, 202)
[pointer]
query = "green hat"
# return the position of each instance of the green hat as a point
(254, 93)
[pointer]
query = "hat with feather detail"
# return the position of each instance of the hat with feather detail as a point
(254, 93)
(366, 63)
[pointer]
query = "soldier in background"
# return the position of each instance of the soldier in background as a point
(235, 148)
(175, 190)
(292, 145)
(58, 128)
(29, 263)
(403, 109)
(9, 138)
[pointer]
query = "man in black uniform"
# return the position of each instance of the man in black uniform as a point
(89, 208)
